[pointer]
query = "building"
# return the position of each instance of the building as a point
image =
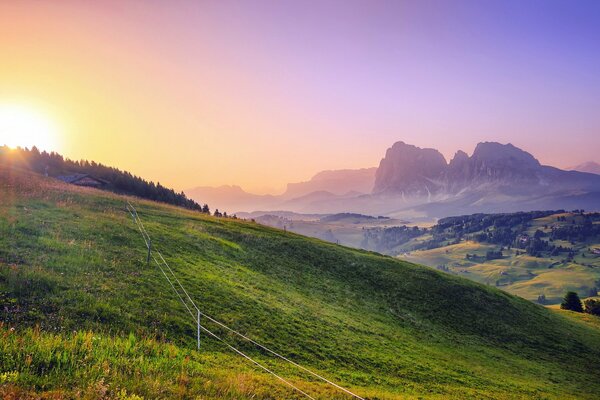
(83, 180)
(523, 238)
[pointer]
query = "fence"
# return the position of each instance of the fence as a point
(190, 305)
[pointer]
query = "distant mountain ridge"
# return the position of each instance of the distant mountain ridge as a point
(413, 171)
(325, 185)
(588, 166)
(495, 178)
(410, 169)
(418, 182)
(337, 182)
(232, 198)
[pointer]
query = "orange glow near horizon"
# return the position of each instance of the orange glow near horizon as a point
(259, 95)
(22, 126)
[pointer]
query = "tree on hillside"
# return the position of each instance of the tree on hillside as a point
(492, 255)
(592, 306)
(572, 302)
(53, 165)
(541, 299)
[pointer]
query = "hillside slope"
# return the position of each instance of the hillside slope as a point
(537, 255)
(71, 259)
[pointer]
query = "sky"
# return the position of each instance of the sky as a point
(262, 93)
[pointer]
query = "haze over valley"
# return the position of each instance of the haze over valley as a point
(286, 200)
(419, 184)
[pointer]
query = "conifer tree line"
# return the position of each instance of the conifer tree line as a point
(122, 182)
(572, 302)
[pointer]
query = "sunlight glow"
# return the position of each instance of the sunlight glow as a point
(21, 126)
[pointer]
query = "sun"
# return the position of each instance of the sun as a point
(22, 126)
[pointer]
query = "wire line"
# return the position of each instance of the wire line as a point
(257, 363)
(145, 234)
(216, 336)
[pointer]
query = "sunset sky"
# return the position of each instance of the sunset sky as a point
(259, 94)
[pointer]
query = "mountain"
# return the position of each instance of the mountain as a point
(417, 183)
(491, 163)
(325, 185)
(495, 178)
(289, 215)
(409, 169)
(84, 315)
(338, 182)
(413, 171)
(318, 200)
(232, 198)
(589, 166)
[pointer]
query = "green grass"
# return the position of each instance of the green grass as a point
(90, 317)
(522, 275)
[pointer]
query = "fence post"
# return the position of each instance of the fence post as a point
(149, 250)
(198, 329)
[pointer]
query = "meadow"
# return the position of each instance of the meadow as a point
(517, 273)
(84, 316)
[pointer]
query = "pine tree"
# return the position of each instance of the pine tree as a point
(53, 164)
(592, 306)
(541, 299)
(572, 302)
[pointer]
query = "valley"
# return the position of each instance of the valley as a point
(535, 255)
(80, 304)
(286, 200)
(538, 256)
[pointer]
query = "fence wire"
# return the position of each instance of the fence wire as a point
(133, 212)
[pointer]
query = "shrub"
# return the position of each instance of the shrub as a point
(572, 302)
(592, 306)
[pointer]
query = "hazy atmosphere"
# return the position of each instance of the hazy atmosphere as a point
(260, 94)
(299, 199)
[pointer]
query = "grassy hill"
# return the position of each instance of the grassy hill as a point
(83, 316)
(543, 252)
(518, 272)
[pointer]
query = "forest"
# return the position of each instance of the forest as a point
(53, 164)
(506, 230)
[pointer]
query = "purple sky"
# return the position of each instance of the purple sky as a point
(440, 74)
(264, 93)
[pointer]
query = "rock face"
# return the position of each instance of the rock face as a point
(493, 167)
(497, 162)
(491, 163)
(412, 181)
(409, 169)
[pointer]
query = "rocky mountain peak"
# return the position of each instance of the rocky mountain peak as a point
(460, 157)
(494, 154)
(408, 168)
(411, 170)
